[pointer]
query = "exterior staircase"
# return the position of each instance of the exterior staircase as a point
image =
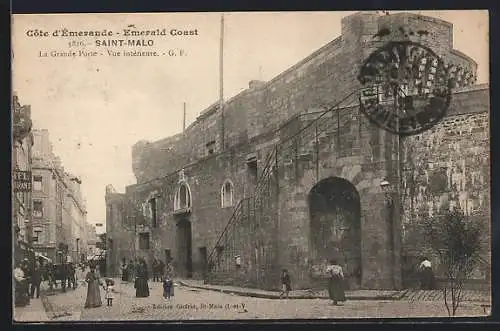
(251, 230)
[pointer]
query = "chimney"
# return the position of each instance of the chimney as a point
(254, 84)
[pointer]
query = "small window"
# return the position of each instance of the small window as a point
(37, 209)
(227, 194)
(154, 219)
(210, 147)
(182, 198)
(252, 166)
(144, 240)
(37, 183)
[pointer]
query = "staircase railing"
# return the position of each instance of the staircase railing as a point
(236, 212)
(271, 166)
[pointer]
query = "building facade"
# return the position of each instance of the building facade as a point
(122, 243)
(59, 211)
(22, 144)
(273, 180)
(92, 240)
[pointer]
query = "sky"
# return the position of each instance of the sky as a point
(96, 108)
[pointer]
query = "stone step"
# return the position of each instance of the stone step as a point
(437, 295)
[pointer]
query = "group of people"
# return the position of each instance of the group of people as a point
(94, 283)
(133, 271)
(27, 279)
(29, 274)
(65, 273)
(336, 286)
(138, 272)
(336, 282)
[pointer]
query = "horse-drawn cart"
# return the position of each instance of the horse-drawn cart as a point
(63, 275)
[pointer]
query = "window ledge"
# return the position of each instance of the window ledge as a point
(228, 206)
(181, 211)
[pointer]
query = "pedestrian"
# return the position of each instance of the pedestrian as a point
(27, 275)
(141, 281)
(426, 274)
(36, 279)
(71, 274)
(20, 297)
(93, 292)
(131, 270)
(336, 289)
(154, 268)
(109, 289)
(124, 269)
(51, 274)
(286, 284)
(168, 282)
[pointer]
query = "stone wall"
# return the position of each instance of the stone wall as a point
(350, 148)
(448, 166)
(119, 233)
(324, 78)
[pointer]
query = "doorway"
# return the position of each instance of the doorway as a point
(168, 256)
(203, 260)
(184, 248)
(335, 215)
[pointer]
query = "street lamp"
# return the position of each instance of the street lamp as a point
(395, 225)
(387, 189)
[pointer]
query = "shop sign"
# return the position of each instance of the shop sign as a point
(22, 181)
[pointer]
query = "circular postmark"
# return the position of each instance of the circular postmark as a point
(405, 88)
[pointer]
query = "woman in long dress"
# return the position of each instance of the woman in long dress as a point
(426, 274)
(141, 281)
(336, 288)
(93, 290)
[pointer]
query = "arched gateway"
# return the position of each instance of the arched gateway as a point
(335, 225)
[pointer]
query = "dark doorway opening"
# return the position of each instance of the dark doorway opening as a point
(184, 248)
(335, 215)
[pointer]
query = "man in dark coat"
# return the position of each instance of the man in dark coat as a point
(36, 279)
(155, 268)
(161, 269)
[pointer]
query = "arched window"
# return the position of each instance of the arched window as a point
(226, 194)
(182, 199)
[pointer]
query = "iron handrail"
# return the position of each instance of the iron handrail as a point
(229, 223)
(265, 175)
(317, 119)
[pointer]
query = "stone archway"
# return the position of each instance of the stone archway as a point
(335, 225)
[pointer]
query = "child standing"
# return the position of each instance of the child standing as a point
(168, 282)
(109, 291)
(167, 287)
(286, 284)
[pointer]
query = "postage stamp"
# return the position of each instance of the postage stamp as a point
(406, 88)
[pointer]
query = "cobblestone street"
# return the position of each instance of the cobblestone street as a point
(194, 304)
